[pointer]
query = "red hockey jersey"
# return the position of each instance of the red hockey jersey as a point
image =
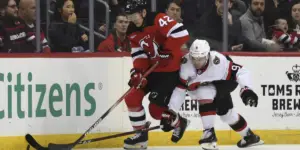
(162, 40)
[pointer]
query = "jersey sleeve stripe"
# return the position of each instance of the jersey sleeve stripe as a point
(143, 56)
(175, 27)
(229, 71)
(180, 34)
(134, 50)
(138, 54)
(182, 84)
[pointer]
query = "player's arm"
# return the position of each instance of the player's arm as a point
(140, 64)
(243, 78)
(178, 95)
(238, 73)
(175, 32)
(139, 57)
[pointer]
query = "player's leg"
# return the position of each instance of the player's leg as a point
(230, 116)
(160, 96)
(237, 122)
(205, 95)
(137, 118)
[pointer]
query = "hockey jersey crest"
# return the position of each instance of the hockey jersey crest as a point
(163, 39)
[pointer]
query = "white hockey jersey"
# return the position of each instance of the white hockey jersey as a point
(219, 67)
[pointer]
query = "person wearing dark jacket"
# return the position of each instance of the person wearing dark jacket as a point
(27, 14)
(210, 28)
(64, 33)
(275, 9)
(13, 35)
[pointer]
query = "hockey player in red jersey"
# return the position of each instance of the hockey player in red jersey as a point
(154, 38)
(210, 77)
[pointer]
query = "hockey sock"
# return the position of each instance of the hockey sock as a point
(208, 113)
(241, 126)
(138, 118)
(236, 122)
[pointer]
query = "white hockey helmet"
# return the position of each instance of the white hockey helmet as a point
(199, 48)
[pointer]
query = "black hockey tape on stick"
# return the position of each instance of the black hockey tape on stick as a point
(32, 142)
(69, 146)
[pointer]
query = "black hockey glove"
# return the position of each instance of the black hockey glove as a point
(249, 97)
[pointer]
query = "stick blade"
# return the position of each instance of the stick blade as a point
(32, 142)
(53, 146)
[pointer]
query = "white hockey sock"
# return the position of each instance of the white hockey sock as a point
(138, 118)
(208, 114)
(208, 121)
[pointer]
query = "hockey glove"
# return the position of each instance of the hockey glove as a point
(137, 79)
(168, 118)
(249, 97)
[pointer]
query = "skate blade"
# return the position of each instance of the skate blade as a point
(138, 146)
(261, 142)
(209, 146)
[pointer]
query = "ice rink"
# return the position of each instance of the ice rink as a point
(261, 147)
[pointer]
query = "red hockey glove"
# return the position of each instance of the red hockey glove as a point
(137, 79)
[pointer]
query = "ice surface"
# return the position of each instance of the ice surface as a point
(261, 147)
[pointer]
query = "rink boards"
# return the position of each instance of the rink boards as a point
(58, 98)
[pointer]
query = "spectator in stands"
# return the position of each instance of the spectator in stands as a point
(289, 41)
(82, 10)
(274, 9)
(192, 11)
(210, 25)
(174, 10)
(294, 24)
(117, 41)
(12, 30)
(247, 2)
(238, 8)
(64, 32)
(27, 14)
(253, 27)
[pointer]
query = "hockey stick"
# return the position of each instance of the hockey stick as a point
(101, 138)
(119, 135)
(52, 146)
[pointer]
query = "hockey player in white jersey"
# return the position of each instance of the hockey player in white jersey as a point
(210, 77)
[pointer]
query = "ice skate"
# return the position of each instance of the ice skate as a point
(209, 140)
(250, 140)
(179, 131)
(137, 142)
